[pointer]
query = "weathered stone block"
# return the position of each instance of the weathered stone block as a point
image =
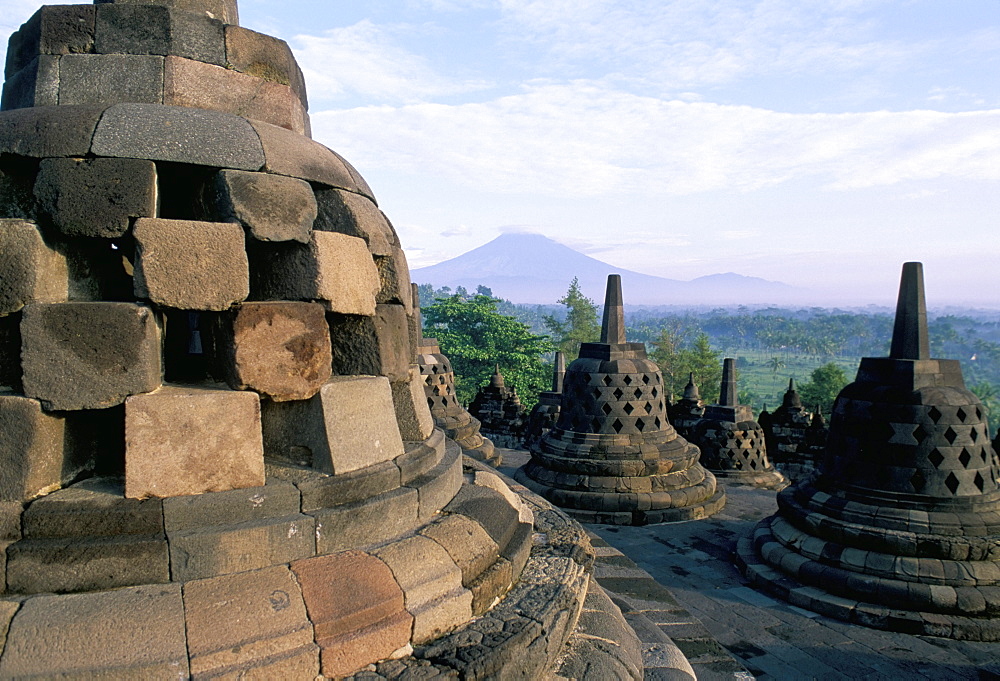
(33, 453)
(191, 440)
(17, 180)
(432, 586)
(110, 79)
(466, 542)
(37, 84)
(223, 10)
(49, 131)
(97, 197)
(367, 522)
(206, 86)
(266, 57)
(288, 153)
(89, 355)
(95, 507)
(394, 278)
(172, 133)
(356, 607)
(355, 215)
(412, 413)
(151, 29)
(334, 269)
(30, 270)
(228, 549)
(279, 349)
(347, 426)
(52, 30)
(267, 602)
(273, 500)
(10, 353)
(190, 265)
(270, 207)
(373, 346)
(124, 633)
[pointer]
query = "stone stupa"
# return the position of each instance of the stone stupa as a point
(731, 441)
(545, 414)
(686, 412)
(499, 410)
(439, 389)
(613, 456)
(216, 455)
(900, 529)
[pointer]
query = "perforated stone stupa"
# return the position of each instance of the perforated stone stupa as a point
(731, 441)
(686, 412)
(545, 414)
(500, 412)
(216, 454)
(613, 456)
(439, 388)
(901, 528)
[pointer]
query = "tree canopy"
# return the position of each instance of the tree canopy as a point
(475, 337)
(580, 325)
(677, 358)
(824, 385)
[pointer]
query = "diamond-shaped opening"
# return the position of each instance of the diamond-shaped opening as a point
(617, 425)
(753, 464)
(979, 414)
(918, 481)
(980, 482)
(618, 393)
(606, 408)
(961, 414)
(654, 392)
(950, 435)
(627, 380)
(935, 457)
(628, 408)
(597, 393)
(983, 451)
(430, 402)
(435, 368)
(640, 425)
(637, 393)
(919, 434)
(596, 425)
(648, 407)
(645, 379)
(965, 457)
(952, 482)
(656, 422)
(974, 434)
(934, 413)
(606, 380)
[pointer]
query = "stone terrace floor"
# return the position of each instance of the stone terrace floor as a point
(770, 638)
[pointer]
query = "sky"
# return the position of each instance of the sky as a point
(818, 143)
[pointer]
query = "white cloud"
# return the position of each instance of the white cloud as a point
(583, 139)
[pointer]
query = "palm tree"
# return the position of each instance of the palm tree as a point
(775, 365)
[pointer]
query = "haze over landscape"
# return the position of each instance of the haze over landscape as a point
(815, 144)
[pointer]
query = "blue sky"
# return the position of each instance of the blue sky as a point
(817, 143)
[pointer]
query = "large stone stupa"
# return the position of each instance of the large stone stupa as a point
(901, 528)
(613, 456)
(216, 455)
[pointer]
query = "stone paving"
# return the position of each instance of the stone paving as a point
(770, 638)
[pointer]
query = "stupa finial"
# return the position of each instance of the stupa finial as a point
(418, 319)
(909, 334)
(497, 380)
(613, 328)
(559, 373)
(727, 396)
(691, 390)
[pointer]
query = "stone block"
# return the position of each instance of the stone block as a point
(86, 564)
(97, 197)
(266, 603)
(89, 355)
(52, 30)
(37, 84)
(356, 607)
(137, 632)
(110, 79)
(33, 453)
(288, 153)
(372, 346)
(182, 441)
(31, 271)
(279, 349)
(265, 57)
(17, 179)
(206, 86)
(223, 10)
(228, 549)
(490, 509)
(49, 131)
(394, 279)
(368, 522)
(466, 542)
(274, 500)
(350, 213)
(95, 507)
(190, 265)
(173, 133)
(334, 269)
(439, 485)
(270, 207)
(412, 413)
(151, 29)
(432, 586)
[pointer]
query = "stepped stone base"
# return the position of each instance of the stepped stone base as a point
(768, 479)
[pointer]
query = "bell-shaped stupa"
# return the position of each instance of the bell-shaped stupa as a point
(901, 528)
(731, 441)
(613, 456)
(499, 410)
(686, 412)
(216, 455)
(545, 414)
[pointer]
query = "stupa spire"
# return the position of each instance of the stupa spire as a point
(613, 327)
(691, 390)
(909, 334)
(418, 319)
(727, 395)
(559, 373)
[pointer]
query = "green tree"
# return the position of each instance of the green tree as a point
(775, 365)
(580, 326)
(825, 383)
(475, 337)
(678, 358)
